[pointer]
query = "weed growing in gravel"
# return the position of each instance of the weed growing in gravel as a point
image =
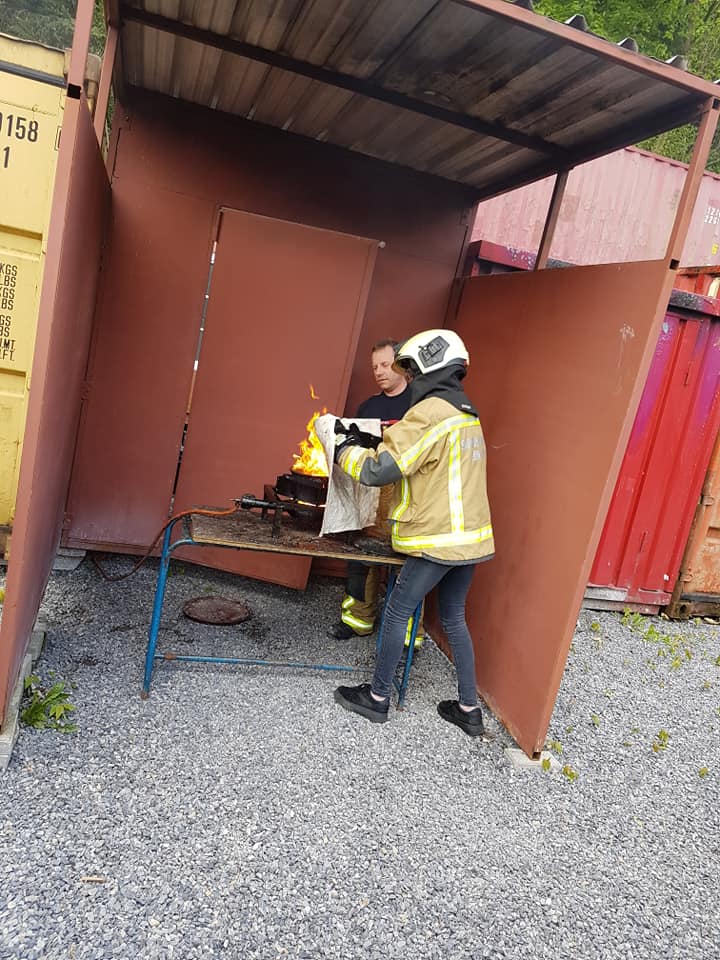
(554, 745)
(661, 741)
(703, 772)
(595, 720)
(633, 620)
(570, 772)
(47, 708)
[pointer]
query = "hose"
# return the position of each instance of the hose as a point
(161, 531)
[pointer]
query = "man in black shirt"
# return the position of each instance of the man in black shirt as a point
(359, 604)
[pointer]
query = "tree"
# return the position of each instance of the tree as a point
(661, 28)
(49, 22)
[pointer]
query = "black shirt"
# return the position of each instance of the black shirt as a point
(382, 407)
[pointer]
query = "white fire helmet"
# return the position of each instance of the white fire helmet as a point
(431, 350)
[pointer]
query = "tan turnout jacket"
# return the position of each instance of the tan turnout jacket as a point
(440, 507)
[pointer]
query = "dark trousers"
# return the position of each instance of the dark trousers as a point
(417, 578)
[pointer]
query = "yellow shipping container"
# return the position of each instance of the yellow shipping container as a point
(32, 97)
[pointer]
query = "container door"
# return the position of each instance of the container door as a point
(286, 303)
(665, 461)
(30, 118)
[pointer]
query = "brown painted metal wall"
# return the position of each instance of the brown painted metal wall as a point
(67, 305)
(174, 167)
(307, 288)
(558, 359)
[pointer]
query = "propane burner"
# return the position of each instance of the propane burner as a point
(299, 495)
(303, 487)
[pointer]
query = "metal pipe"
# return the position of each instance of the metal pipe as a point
(260, 663)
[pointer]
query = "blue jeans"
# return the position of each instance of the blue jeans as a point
(417, 578)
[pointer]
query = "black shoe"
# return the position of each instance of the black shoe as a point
(341, 631)
(471, 722)
(360, 700)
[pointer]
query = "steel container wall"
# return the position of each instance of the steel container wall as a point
(657, 490)
(31, 111)
(617, 208)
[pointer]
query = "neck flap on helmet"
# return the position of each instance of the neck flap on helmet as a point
(445, 384)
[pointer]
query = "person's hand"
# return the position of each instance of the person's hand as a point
(353, 436)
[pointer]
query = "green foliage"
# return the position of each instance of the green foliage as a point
(47, 708)
(661, 741)
(595, 719)
(554, 745)
(570, 772)
(545, 764)
(703, 772)
(49, 22)
(636, 621)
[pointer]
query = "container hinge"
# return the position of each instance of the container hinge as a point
(706, 501)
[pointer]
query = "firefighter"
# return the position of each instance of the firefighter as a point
(440, 517)
(359, 604)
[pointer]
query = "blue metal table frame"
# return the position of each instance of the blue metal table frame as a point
(187, 538)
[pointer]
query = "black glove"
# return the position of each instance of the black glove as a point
(353, 436)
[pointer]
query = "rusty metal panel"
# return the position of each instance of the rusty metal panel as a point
(285, 310)
(139, 376)
(67, 303)
(617, 208)
(698, 587)
(557, 399)
(660, 479)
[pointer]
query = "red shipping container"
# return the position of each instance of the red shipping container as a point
(649, 519)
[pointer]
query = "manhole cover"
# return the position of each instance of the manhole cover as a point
(217, 610)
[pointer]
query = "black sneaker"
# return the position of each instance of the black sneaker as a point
(360, 700)
(341, 631)
(471, 722)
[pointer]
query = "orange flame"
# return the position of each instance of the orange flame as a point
(311, 460)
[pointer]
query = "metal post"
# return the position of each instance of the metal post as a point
(80, 47)
(157, 610)
(551, 220)
(403, 685)
(693, 179)
(103, 94)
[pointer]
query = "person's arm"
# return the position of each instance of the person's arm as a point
(401, 452)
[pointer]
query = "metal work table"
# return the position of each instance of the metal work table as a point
(246, 531)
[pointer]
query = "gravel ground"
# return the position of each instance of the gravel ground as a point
(240, 813)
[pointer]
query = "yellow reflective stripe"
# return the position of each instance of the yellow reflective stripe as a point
(404, 500)
(457, 514)
(355, 622)
(350, 619)
(433, 435)
(455, 539)
(351, 461)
